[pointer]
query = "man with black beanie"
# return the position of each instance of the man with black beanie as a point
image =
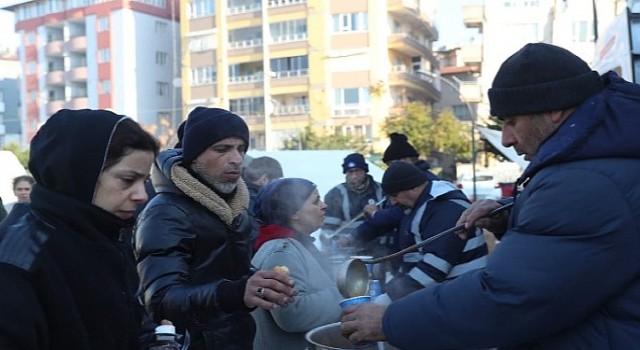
(346, 201)
(382, 222)
(192, 239)
(566, 274)
(431, 207)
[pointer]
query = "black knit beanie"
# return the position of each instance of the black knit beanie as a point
(541, 78)
(402, 176)
(206, 126)
(354, 160)
(398, 148)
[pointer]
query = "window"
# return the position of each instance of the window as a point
(161, 58)
(247, 106)
(103, 24)
(104, 87)
(203, 75)
(288, 30)
(33, 96)
(32, 67)
(201, 8)
(350, 101)
(162, 88)
(349, 22)
(582, 32)
(104, 55)
(31, 38)
(201, 43)
(161, 27)
(290, 66)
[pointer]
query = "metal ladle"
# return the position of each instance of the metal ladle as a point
(353, 277)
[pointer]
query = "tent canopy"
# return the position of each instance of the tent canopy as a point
(495, 138)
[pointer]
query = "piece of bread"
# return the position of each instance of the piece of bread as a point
(282, 269)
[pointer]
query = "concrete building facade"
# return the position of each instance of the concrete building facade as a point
(283, 65)
(106, 54)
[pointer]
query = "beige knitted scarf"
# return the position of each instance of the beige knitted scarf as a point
(204, 195)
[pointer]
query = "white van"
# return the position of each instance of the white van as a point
(11, 168)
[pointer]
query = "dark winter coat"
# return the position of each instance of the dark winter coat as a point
(566, 274)
(194, 257)
(437, 209)
(68, 273)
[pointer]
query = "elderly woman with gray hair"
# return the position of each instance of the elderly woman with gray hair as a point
(289, 210)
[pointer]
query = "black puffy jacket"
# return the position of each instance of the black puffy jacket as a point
(193, 265)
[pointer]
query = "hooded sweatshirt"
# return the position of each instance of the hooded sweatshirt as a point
(67, 270)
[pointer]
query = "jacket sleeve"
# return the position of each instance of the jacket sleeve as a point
(383, 221)
(165, 242)
(313, 307)
(437, 258)
(540, 279)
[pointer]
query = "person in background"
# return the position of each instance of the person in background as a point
(21, 189)
(289, 210)
(192, 239)
(259, 172)
(346, 201)
(432, 206)
(68, 275)
(566, 274)
(381, 223)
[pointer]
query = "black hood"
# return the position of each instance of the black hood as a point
(71, 165)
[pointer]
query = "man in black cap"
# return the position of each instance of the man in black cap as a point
(566, 274)
(382, 222)
(346, 200)
(432, 206)
(192, 239)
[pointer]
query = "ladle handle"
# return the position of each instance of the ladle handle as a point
(432, 238)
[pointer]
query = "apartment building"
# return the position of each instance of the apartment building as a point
(286, 64)
(108, 54)
(10, 128)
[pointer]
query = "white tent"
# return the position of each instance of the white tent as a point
(322, 167)
(495, 138)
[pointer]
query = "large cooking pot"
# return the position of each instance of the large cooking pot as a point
(328, 337)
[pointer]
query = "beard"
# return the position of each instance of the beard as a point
(222, 187)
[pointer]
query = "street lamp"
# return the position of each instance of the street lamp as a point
(435, 77)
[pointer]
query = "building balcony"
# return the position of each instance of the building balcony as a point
(77, 44)
(290, 110)
(407, 44)
(409, 11)
(55, 78)
(240, 9)
(281, 3)
(471, 54)
(401, 77)
(54, 48)
(351, 110)
(77, 74)
(54, 106)
(473, 16)
(244, 44)
(79, 102)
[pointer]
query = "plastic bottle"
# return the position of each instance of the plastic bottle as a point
(165, 338)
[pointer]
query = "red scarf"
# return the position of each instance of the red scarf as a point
(269, 232)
